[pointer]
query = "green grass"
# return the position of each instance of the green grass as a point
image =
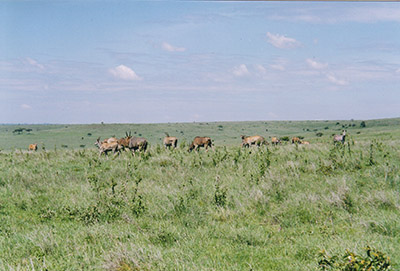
(223, 133)
(272, 208)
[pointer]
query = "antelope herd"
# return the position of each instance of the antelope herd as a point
(134, 144)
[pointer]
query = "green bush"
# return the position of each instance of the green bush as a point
(374, 260)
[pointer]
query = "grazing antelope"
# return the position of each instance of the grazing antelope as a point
(257, 140)
(296, 140)
(105, 147)
(199, 141)
(169, 141)
(137, 143)
(275, 141)
(305, 142)
(33, 147)
(340, 138)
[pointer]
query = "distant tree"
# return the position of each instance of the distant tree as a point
(362, 124)
(285, 138)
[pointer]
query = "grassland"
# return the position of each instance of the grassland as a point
(272, 208)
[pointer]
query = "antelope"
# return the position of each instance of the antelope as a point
(275, 141)
(110, 140)
(296, 140)
(199, 141)
(33, 147)
(169, 141)
(137, 143)
(305, 142)
(105, 147)
(340, 138)
(124, 142)
(257, 140)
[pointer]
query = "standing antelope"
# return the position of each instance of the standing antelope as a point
(340, 138)
(33, 147)
(296, 140)
(109, 140)
(105, 147)
(199, 141)
(170, 141)
(275, 141)
(257, 140)
(124, 142)
(137, 143)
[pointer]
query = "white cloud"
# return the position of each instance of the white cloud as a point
(125, 73)
(241, 70)
(277, 66)
(282, 42)
(168, 47)
(261, 69)
(26, 106)
(335, 80)
(34, 63)
(316, 65)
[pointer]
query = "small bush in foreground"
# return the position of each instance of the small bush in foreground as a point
(375, 260)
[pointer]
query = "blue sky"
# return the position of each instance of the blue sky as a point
(155, 61)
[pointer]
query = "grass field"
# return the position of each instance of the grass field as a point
(267, 208)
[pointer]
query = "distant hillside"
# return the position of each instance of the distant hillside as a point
(223, 133)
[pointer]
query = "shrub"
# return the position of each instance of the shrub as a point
(375, 260)
(362, 124)
(285, 138)
(220, 194)
(319, 134)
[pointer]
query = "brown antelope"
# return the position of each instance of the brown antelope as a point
(275, 141)
(296, 140)
(33, 147)
(199, 141)
(137, 143)
(257, 140)
(169, 141)
(340, 138)
(124, 142)
(105, 147)
(110, 140)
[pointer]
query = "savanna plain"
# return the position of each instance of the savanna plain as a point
(281, 207)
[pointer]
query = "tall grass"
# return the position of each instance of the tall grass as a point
(267, 208)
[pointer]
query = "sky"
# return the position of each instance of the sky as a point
(197, 61)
